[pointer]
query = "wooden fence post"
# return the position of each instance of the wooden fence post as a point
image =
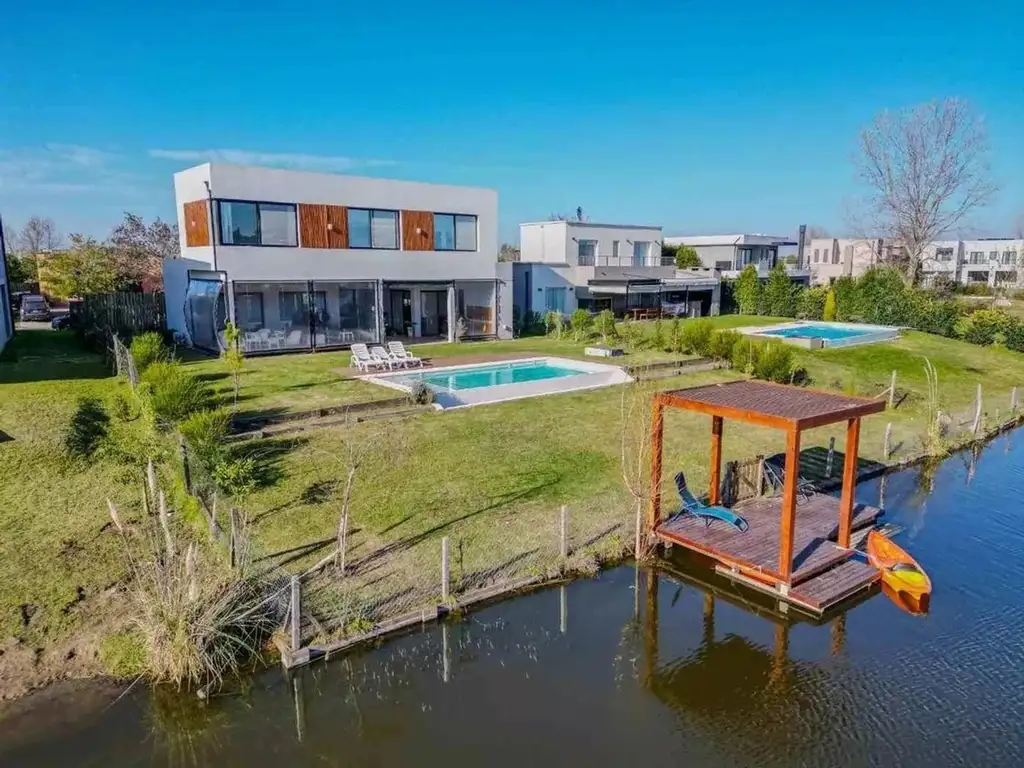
(888, 442)
(892, 389)
(1013, 400)
(977, 413)
(445, 575)
(296, 616)
(831, 456)
(760, 474)
(563, 546)
(232, 555)
(213, 517)
(185, 470)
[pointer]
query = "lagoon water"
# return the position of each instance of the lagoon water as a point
(651, 668)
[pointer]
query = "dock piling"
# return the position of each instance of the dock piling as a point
(563, 546)
(886, 447)
(892, 389)
(445, 576)
(296, 613)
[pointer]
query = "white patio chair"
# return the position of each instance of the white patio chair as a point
(400, 354)
(381, 355)
(294, 339)
(362, 359)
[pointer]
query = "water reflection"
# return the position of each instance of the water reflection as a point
(663, 667)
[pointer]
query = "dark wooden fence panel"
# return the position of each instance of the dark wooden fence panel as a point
(125, 314)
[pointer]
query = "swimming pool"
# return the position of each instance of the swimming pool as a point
(457, 386)
(813, 335)
(491, 375)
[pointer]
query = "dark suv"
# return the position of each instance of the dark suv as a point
(34, 307)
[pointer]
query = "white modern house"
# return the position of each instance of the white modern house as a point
(305, 261)
(730, 254)
(988, 260)
(568, 264)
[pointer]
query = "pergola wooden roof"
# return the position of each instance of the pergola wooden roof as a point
(779, 406)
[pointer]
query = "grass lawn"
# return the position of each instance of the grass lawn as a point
(491, 477)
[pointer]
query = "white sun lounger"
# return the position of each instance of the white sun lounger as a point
(380, 355)
(402, 356)
(363, 360)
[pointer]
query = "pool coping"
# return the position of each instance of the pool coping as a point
(869, 334)
(447, 400)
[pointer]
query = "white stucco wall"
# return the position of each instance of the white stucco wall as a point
(254, 263)
(556, 241)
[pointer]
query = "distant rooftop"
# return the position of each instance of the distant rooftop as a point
(574, 223)
(756, 238)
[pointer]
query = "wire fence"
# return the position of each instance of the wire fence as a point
(124, 362)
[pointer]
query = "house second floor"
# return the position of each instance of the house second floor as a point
(586, 246)
(261, 224)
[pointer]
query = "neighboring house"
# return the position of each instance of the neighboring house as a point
(730, 254)
(570, 264)
(830, 257)
(991, 260)
(6, 315)
(303, 261)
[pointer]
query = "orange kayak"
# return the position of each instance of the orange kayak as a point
(900, 572)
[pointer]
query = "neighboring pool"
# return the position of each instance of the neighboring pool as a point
(813, 335)
(491, 375)
(457, 386)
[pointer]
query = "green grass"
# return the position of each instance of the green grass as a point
(492, 477)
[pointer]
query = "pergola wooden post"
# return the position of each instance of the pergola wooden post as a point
(777, 406)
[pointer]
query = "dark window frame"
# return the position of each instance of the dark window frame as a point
(259, 223)
(455, 232)
(263, 314)
(371, 246)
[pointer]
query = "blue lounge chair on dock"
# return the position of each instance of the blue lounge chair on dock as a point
(709, 514)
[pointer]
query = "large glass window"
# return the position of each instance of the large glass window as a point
(372, 228)
(1009, 257)
(454, 232)
(245, 223)
(554, 300)
(944, 254)
(249, 310)
(641, 253)
(587, 252)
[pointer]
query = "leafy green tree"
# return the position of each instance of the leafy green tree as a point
(86, 267)
(829, 311)
(581, 324)
(21, 268)
(810, 302)
(234, 355)
(687, 258)
(605, 326)
(779, 295)
(748, 291)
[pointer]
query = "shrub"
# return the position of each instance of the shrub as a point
(697, 337)
(845, 291)
(687, 258)
(605, 325)
(883, 297)
(632, 333)
(779, 297)
(148, 348)
(982, 326)
(1015, 336)
(553, 324)
(774, 362)
(943, 286)
(748, 291)
(126, 407)
(657, 338)
(205, 432)
(744, 355)
(675, 336)
(937, 316)
(977, 289)
(174, 393)
(421, 394)
(581, 324)
(723, 343)
(86, 430)
(810, 304)
(829, 311)
(236, 477)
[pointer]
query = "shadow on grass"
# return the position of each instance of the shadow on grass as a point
(49, 356)
(268, 455)
(484, 576)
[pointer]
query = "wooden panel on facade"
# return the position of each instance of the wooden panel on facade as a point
(197, 223)
(417, 231)
(337, 226)
(312, 225)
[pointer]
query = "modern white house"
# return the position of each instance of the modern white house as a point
(730, 254)
(305, 261)
(988, 260)
(568, 264)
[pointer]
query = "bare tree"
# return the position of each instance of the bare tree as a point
(140, 248)
(815, 232)
(635, 453)
(38, 235)
(508, 252)
(926, 170)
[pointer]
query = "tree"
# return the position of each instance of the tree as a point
(748, 291)
(829, 315)
(21, 268)
(508, 252)
(687, 258)
(234, 355)
(926, 170)
(38, 236)
(86, 267)
(140, 248)
(779, 297)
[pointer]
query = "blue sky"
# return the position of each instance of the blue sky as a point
(701, 116)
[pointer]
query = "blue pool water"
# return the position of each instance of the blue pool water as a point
(490, 375)
(814, 331)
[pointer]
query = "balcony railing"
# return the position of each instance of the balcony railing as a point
(622, 261)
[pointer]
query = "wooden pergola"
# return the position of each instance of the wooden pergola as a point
(778, 406)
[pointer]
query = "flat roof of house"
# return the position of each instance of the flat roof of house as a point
(575, 223)
(750, 238)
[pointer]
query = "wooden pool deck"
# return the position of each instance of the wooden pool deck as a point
(823, 574)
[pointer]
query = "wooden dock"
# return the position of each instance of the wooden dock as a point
(823, 574)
